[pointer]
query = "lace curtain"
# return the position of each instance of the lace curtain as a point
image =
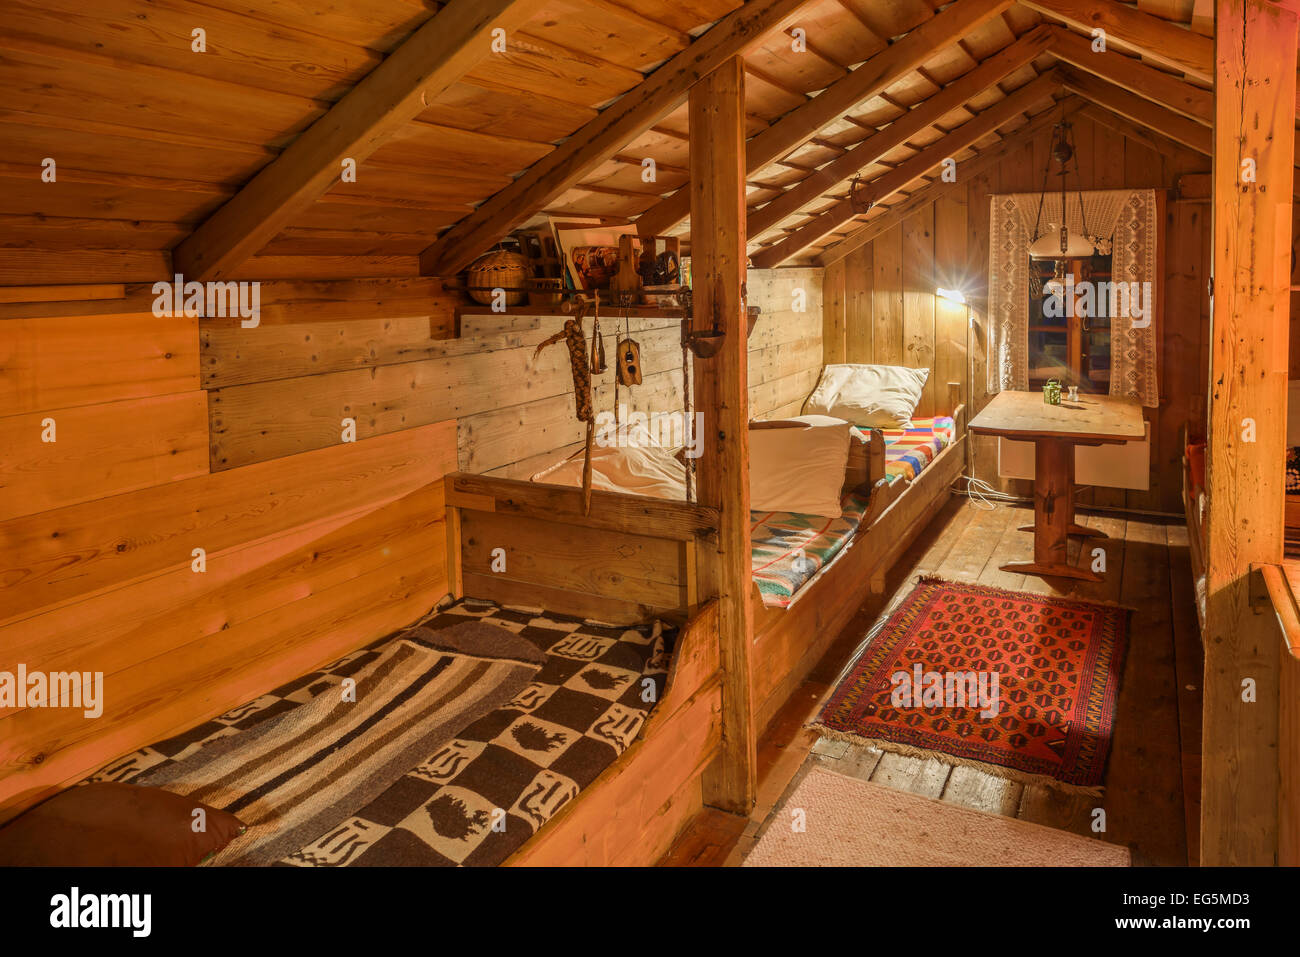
(1124, 218)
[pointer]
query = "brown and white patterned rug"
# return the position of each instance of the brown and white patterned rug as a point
(467, 786)
(292, 776)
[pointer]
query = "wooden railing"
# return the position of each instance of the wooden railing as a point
(1283, 585)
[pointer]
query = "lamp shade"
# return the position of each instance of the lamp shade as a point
(1048, 246)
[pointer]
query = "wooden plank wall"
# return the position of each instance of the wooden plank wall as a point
(304, 557)
(173, 434)
(286, 386)
(881, 305)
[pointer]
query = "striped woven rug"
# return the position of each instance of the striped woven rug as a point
(844, 822)
(290, 778)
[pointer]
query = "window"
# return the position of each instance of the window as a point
(1069, 322)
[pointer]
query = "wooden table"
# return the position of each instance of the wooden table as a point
(1055, 430)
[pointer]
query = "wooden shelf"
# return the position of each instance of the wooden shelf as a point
(606, 310)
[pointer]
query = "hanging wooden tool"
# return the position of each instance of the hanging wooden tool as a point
(579, 364)
(629, 362)
(687, 405)
(618, 417)
(597, 342)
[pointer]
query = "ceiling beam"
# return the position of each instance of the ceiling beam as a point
(438, 54)
(925, 114)
(1152, 139)
(619, 123)
(1142, 111)
(799, 125)
(907, 172)
(1157, 39)
(1134, 76)
(1146, 114)
(939, 189)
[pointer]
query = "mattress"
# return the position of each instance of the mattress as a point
(479, 792)
(908, 451)
(789, 549)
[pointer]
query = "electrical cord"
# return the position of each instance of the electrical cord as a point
(983, 495)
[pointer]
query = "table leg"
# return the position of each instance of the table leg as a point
(1074, 527)
(1053, 513)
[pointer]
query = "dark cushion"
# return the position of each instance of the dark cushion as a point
(122, 825)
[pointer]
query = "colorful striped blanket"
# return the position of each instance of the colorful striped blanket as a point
(909, 451)
(788, 549)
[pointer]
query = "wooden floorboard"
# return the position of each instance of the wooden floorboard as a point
(1155, 754)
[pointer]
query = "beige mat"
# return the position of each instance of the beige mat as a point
(852, 823)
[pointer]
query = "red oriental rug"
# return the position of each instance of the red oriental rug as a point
(1022, 686)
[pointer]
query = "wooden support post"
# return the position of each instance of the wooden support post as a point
(1255, 56)
(717, 130)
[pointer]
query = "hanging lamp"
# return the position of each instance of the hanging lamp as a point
(1061, 243)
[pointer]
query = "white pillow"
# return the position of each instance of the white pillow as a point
(876, 397)
(797, 466)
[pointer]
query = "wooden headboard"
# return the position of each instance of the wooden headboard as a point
(525, 543)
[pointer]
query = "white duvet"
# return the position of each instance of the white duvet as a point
(628, 463)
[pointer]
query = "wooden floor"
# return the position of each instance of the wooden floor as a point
(1154, 759)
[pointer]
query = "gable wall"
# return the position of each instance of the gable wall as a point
(881, 305)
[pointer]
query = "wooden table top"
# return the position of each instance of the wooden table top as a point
(1092, 418)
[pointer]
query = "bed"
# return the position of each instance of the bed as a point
(919, 468)
(630, 560)
(465, 735)
(790, 549)
(810, 574)
(626, 717)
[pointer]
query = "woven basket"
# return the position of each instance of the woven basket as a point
(499, 269)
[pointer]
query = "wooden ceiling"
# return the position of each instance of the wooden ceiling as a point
(151, 138)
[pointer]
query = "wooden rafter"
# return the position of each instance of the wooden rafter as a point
(898, 178)
(1158, 39)
(618, 124)
(437, 55)
(1135, 76)
(937, 189)
(1142, 111)
(1153, 139)
(1118, 106)
(870, 78)
(957, 93)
